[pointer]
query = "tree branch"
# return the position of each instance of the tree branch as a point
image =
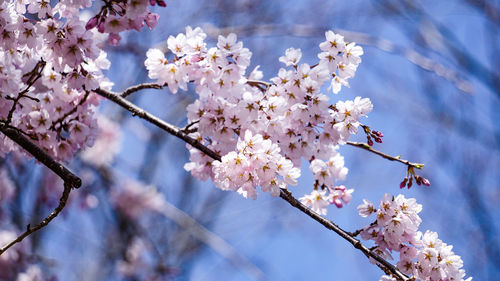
(141, 113)
(387, 267)
(45, 222)
(133, 89)
(386, 156)
(59, 169)
(70, 179)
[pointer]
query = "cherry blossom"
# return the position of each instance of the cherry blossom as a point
(425, 256)
(291, 114)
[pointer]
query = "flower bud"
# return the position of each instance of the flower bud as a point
(418, 179)
(369, 140)
(426, 182)
(92, 23)
(403, 183)
(410, 183)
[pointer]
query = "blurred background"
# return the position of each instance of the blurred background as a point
(431, 69)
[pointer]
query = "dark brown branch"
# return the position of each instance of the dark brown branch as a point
(259, 84)
(70, 179)
(73, 110)
(187, 130)
(136, 88)
(66, 175)
(386, 156)
(171, 129)
(387, 267)
(357, 232)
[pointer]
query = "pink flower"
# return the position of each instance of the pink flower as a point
(152, 20)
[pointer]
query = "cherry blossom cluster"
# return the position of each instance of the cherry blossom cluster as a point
(257, 163)
(46, 69)
(49, 66)
(425, 256)
(290, 112)
(120, 15)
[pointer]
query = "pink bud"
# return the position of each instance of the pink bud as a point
(336, 202)
(152, 20)
(340, 187)
(152, 2)
(370, 141)
(379, 140)
(418, 179)
(92, 23)
(403, 183)
(426, 182)
(161, 3)
(101, 27)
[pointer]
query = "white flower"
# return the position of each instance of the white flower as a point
(317, 200)
(366, 209)
(292, 57)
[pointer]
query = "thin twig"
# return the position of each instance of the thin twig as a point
(45, 222)
(387, 267)
(186, 128)
(35, 74)
(70, 179)
(136, 88)
(73, 110)
(259, 84)
(386, 156)
(357, 232)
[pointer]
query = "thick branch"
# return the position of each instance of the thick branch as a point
(66, 175)
(386, 156)
(70, 179)
(387, 267)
